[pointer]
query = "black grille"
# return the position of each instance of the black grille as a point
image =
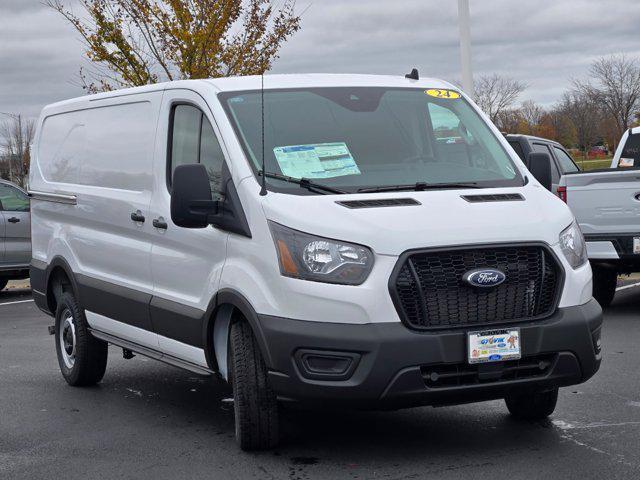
(461, 374)
(429, 292)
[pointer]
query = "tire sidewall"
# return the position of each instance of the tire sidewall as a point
(67, 303)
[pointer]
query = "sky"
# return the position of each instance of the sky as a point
(544, 43)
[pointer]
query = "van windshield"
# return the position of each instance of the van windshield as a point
(363, 138)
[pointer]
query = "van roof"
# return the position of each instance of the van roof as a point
(310, 80)
(276, 81)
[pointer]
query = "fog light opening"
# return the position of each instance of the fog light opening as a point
(326, 365)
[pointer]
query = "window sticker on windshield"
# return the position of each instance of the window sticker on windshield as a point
(626, 162)
(320, 160)
(442, 93)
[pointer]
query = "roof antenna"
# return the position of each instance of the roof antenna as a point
(414, 75)
(263, 188)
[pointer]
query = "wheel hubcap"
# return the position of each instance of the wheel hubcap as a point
(67, 338)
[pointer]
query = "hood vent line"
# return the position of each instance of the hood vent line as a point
(379, 203)
(498, 197)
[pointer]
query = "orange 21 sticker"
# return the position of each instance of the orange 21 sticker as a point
(442, 93)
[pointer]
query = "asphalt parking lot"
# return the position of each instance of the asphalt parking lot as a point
(148, 420)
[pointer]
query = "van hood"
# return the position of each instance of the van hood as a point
(442, 218)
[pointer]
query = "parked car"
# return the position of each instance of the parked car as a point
(606, 204)
(561, 161)
(321, 241)
(15, 233)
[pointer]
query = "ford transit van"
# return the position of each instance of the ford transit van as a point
(366, 242)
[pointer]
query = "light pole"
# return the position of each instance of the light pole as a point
(464, 23)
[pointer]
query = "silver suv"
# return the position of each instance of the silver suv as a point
(15, 233)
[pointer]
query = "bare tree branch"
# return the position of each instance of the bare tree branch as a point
(495, 94)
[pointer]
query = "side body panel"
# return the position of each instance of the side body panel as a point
(186, 263)
(15, 228)
(100, 152)
(2, 239)
(605, 201)
(17, 238)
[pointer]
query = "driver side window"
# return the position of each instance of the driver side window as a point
(12, 199)
(194, 141)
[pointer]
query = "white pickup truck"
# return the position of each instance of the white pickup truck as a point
(606, 204)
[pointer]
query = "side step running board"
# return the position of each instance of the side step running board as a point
(148, 352)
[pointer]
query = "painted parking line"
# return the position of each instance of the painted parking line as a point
(17, 301)
(624, 287)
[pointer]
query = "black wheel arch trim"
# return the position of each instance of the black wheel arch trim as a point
(229, 296)
(41, 272)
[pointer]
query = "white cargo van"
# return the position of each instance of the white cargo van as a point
(363, 241)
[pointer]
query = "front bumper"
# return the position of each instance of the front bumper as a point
(391, 360)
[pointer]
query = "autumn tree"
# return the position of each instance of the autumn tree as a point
(585, 113)
(138, 42)
(496, 94)
(564, 131)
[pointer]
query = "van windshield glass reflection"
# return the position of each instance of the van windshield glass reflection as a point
(362, 137)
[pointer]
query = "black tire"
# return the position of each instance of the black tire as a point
(3, 283)
(532, 405)
(605, 281)
(255, 404)
(85, 365)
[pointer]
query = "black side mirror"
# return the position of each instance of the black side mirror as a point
(191, 202)
(540, 168)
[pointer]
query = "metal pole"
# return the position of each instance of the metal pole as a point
(464, 22)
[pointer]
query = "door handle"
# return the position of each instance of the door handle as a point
(160, 223)
(137, 216)
(13, 220)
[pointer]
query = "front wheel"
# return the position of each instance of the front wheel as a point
(605, 281)
(532, 405)
(254, 403)
(82, 357)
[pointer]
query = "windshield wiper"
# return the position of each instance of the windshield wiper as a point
(304, 183)
(418, 187)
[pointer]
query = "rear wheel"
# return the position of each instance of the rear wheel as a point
(255, 404)
(605, 281)
(3, 283)
(532, 405)
(82, 358)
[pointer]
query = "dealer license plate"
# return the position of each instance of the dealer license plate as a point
(636, 245)
(494, 345)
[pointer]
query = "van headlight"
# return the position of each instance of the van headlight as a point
(573, 246)
(308, 257)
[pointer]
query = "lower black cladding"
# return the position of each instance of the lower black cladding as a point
(137, 309)
(115, 301)
(460, 374)
(392, 360)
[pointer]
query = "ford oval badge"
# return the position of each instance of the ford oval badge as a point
(484, 277)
